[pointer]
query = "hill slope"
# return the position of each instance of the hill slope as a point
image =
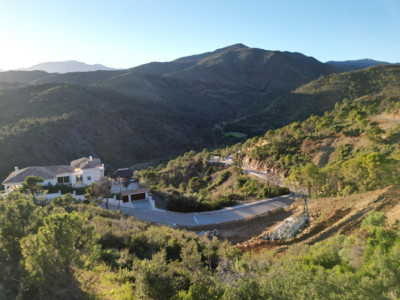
(315, 97)
(22, 76)
(353, 147)
(54, 123)
(151, 111)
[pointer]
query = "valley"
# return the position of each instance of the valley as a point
(229, 150)
(183, 98)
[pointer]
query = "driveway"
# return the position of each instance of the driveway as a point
(143, 211)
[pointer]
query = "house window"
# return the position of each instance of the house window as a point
(89, 178)
(78, 178)
(63, 180)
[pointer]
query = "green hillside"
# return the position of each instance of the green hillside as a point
(315, 97)
(354, 147)
(23, 76)
(154, 111)
(192, 183)
(99, 254)
(54, 123)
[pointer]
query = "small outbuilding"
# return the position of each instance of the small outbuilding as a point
(134, 195)
(120, 174)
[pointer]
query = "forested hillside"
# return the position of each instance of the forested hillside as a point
(151, 112)
(316, 97)
(194, 183)
(354, 147)
(67, 250)
(54, 123)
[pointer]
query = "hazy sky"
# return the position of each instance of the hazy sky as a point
(124, 34)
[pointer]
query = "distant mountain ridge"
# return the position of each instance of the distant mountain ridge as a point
(350, 65)
(67, 67)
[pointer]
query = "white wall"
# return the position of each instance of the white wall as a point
(95, 175)
(7, 186)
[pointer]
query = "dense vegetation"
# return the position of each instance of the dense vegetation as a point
(345, 150)
(192, 183)
(153, 112)
(317, 97)
(75, 251)
(64, 250)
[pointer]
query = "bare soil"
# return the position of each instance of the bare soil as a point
(329, 216)
(243, 230)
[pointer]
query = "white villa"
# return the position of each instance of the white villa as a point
(81, 172)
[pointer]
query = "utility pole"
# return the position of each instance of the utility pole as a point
(305, 209)
(120, 193)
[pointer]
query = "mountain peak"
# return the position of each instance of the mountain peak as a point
(233, 47)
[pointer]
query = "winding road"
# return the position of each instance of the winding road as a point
(143, 210)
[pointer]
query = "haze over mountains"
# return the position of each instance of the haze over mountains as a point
(153, 111)
(349, 65)
(66, 67)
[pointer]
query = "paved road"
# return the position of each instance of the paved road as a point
(142, 210)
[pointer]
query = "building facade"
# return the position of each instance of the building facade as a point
(81, 172)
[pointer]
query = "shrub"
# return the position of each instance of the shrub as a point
(222, 177)
(181, 203)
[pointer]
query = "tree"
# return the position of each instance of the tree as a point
(370, 171)
(156, 280)
(19, 217)
(53, 256)
(33, 185)
(308, 177)
(126, 182)
(196, 183)
(65, 200)
(96, 192)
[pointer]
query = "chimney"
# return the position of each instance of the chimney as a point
(90, 158)
(102, 166)
(16, 170)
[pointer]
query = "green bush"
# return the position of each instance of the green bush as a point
(222, 177)
(181, 203)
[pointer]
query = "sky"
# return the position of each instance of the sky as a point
(123, 34)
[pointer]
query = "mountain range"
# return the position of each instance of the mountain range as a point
(66, 67)
(165, 68)
(156, 110)
(350, 65)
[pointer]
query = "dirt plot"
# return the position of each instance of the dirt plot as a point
(328, 216)
(332, 215)
(243, 230)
